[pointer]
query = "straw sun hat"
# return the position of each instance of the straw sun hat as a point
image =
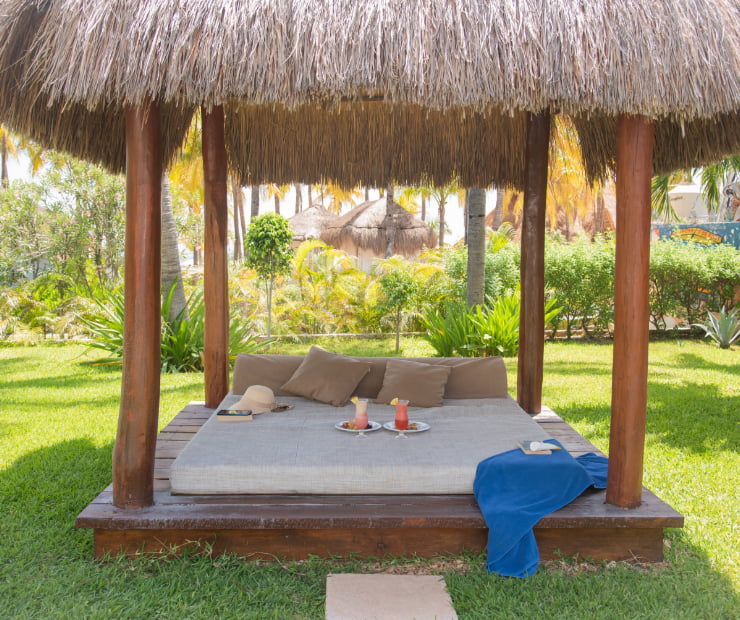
(259, 399)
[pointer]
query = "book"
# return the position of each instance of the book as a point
(234, 415)
(537, 447)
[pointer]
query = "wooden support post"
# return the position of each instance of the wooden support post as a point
(532, 312)
(133, 455)
(215, 265)
(631, 311)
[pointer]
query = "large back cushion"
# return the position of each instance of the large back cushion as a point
(470, 377)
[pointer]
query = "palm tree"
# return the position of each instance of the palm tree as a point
(298, 198)
(569, 195)
(171, 269)
(442, 195)
(238, 199)
(278, 193)
(254, 205)
(476, 236)
(339, 196)
(714, 178)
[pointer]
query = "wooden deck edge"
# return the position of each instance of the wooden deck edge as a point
(618, 544)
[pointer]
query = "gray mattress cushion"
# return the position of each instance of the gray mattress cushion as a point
(300, 452)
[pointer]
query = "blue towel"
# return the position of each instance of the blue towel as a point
(515, 490)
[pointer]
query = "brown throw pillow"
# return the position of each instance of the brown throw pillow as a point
(326, 377)
(423, 385)
(477, 377)
(263, 369)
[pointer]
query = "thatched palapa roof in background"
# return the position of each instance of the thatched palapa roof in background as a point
(379, 226)
(442, 85)
(311, 222)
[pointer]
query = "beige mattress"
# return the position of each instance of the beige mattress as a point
(300, 452)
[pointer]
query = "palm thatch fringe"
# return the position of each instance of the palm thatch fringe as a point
(372, 225)
(677, 145)
(375, 143)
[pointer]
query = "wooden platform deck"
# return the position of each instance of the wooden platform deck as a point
(366, 525)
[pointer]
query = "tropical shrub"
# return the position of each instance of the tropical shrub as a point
(480, 331)
(181, 339)
(448, 329)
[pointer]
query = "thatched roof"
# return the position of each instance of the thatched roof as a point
(380, 225)
(311, 222)
(445, 84)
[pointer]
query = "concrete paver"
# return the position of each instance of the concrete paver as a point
(387, 597)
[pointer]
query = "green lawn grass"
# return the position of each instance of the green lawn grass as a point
(57, 426)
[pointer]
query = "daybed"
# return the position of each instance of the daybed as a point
(299, 451)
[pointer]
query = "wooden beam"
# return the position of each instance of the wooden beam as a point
(532, 313)
(133, 454)
(631, 311)
(215, 265)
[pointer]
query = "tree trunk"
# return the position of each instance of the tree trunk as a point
(398, 330)
(277, 204)
(367, 194)
(310, 199)
(476, 227)
(391, 226)
(242, 222)
(236, 191)
(5, 179)
(255, 204)
(171, 269)
(298, 199)
(599, 215)
(442, 223)
(269, 308)
(498, 214)
(423, 208)
(465, 218)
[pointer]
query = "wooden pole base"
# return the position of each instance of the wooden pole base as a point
(631, 311)
(133, 454)
(215, 261)
(532, 312)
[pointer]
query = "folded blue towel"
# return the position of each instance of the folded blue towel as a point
(515, 490)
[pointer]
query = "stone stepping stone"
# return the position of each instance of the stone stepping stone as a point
(387, 597)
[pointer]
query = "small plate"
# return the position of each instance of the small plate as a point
(371, 426)
(421, 427)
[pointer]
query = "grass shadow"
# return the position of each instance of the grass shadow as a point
(43, 491)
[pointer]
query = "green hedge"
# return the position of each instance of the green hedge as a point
(580, 277)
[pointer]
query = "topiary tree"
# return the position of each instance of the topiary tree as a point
(269, 252)
(398, 293)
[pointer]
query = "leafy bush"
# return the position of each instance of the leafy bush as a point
(581, 277)
(181, 339)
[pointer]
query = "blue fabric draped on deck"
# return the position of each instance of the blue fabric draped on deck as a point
(515, 490)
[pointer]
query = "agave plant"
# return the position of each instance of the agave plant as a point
(723, 328)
